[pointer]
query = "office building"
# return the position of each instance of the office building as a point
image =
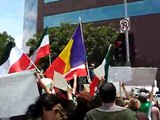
(144, 18)
(30, 22)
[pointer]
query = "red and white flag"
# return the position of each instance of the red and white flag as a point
(16, 62)
(41, 51)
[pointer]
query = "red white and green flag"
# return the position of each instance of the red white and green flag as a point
(102, 70)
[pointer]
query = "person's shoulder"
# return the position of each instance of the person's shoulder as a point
(127, 114)
(90, 114)
(129, 111)
(92, 110)
(154, 108)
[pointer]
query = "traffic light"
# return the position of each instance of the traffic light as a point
(120, 50)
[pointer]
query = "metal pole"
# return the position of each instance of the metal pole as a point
(49, 59)
(86, 64)
(128, 63)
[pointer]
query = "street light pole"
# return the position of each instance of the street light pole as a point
(128, 63)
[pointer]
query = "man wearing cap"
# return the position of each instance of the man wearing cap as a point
(146, 103)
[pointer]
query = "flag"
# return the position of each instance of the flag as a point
(102, 70)
(72, 59)
(42, 49)
(16, 62)
(95, 82)
(107, 62)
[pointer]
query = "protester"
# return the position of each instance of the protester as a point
(91, 73)
(145, 103)
(108, 110)
(46, 107)
(146, 100)
(45, 88)
(134, 104)
(83, 100)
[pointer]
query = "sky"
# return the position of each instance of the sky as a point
(11, 19)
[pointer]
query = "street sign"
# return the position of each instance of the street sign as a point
(124, 25)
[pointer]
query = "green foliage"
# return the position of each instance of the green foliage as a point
(97, 40)
(4, 39)
(59, 38)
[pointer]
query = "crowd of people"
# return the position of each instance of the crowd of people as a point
(106, 104)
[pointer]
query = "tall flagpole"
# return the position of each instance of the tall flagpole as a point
(86, 64)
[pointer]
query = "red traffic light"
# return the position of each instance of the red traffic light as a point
(118, 44)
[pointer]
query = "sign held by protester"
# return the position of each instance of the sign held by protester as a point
(120, 74)
(143, 76)
(17, 92)
(59, 81)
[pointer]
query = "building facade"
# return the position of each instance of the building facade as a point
(144, 22)
(30, 22)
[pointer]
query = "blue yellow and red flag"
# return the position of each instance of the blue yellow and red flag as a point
(72, 59)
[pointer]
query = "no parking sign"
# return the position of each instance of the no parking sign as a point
(124, 25)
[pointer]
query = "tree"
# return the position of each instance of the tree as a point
(4, 39)
(97, 40)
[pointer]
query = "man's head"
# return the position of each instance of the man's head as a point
(143, 97)
(107, 92)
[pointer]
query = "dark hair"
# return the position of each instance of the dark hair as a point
(45, 101)
(107, 92)
(142, 99)
(143, 90)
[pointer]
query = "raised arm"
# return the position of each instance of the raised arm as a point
(42, 84)
(125, 91)
(151, 93)
(74, 84)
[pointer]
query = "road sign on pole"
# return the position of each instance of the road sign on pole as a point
(124, 25)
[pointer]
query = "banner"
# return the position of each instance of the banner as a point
(17, 92)
(143, 76)
(120, 74)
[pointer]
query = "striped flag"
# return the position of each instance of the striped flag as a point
(72, 59)
(17, 61)
(102, 70)
(42, 49)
